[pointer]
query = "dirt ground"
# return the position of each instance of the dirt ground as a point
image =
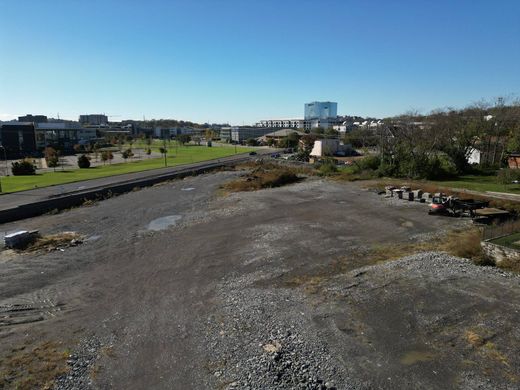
(182, 286)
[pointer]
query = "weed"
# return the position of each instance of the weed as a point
(54, 241)
(263, 176)
(35, 368)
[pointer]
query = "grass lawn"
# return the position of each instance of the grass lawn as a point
(510, 241)
(179, 156)
(481, 183)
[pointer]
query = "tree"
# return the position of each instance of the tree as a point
(306, 145)
(209, 134)
(23, 168)
(330, 132)
(95, 149)
(51, 156)
(251, 142)
(148, 151)
(127, 154)
(183, 138)
(83, 161)
(106, 155)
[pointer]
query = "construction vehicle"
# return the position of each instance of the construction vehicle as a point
(455, 207)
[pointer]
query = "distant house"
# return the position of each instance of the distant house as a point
(513, 160)
(279, 135)
(330, 147)
(474, 156)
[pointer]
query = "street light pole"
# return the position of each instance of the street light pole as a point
(5, 158)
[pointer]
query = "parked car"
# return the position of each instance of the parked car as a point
(253, 153)
(275, 155)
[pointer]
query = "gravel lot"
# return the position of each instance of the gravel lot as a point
(181, 286)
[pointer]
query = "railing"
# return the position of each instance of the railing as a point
(504, 229)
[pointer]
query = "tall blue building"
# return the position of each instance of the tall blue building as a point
(321, 110)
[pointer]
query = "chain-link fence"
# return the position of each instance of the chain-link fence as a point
(503, 229)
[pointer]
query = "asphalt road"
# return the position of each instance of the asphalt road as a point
(13, 200)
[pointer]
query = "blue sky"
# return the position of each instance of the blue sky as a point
(239, 61)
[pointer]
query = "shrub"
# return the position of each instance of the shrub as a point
(23, 168)
(369, 162)
(53, 161)
(328, 168)
(127, 153)
(263, 177)
(83, 161)
(507, 175)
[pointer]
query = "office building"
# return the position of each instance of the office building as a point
(33, 118)
(316, 114)
(62, 134)
(93, 119)
(241, 134)
(282, 123)
(17, 139)
(321, 110)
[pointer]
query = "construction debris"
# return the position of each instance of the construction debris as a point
(20, 239)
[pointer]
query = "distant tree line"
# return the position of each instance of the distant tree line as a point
(438, 145)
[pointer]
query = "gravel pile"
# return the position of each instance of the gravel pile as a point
(439, 264)
(81, 366)
(265, 339)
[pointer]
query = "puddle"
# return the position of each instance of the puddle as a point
(163, 222)
(187, 189)
(412, 357)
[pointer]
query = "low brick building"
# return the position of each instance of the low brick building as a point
(513, 160)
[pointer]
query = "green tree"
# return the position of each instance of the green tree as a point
(83, 161)
(183, 138)
(107, 155)
(127, 154)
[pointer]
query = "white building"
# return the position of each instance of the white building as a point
(474, 156)
(329, 147)
(282, 123)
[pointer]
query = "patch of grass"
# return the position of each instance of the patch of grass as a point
(36, 368)
(176, 156)
(511, 241)
(263, 176)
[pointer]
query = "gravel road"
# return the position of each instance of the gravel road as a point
(181, 286)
